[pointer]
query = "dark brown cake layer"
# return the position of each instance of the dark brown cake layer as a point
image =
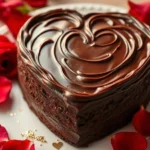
(84, 76)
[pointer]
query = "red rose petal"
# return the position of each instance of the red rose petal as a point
(1, 144)
(7, 45)
(128, 141)
(5, 88)
(18, 145)
(3, 134)
(140, 11)
(12, 17)
(3, 38)
(11, 3)
(141, 122)
(8, 59)
(14, 20)
(33, 3)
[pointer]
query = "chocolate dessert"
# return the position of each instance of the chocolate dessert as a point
(84, 76)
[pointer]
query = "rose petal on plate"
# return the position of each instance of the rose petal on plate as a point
(8, 59)
(3, 134)
(3, 38)
(14, 20)
(18, 145)
(141, 122)
(128, 141)
(5, 88)
(34, 3)
(12, 3)
(1, 144)
(140, 11)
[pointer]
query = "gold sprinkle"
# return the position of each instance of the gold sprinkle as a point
(30, 135)
(58, 145)
(41, 139)
(22, 134)
(44, 141)
(18, 121)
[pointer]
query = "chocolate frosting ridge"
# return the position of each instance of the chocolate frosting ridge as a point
(83, 56)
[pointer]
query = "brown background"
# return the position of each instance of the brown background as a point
(122, 3)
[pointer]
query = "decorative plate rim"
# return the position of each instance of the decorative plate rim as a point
(82, 6)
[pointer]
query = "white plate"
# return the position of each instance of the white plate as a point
(26, 120)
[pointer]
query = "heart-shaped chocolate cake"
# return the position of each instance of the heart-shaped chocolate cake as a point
(84, 75)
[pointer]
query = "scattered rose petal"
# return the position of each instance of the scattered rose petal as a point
(10, 3)
(18, 145)
(141, 122)
(33, 3)
(14, 20)
(6, 144)
(1, 144)
(3, 134)
(128, 141)
(3, 38)
(140, 11)
(8, 58)
(5, 88)
(11, 14)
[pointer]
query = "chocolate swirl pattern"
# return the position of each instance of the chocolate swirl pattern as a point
(84, 55)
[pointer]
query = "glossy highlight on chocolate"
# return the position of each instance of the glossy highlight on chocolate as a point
(83, 56)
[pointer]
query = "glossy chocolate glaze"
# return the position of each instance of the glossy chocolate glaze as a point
(83, 56)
